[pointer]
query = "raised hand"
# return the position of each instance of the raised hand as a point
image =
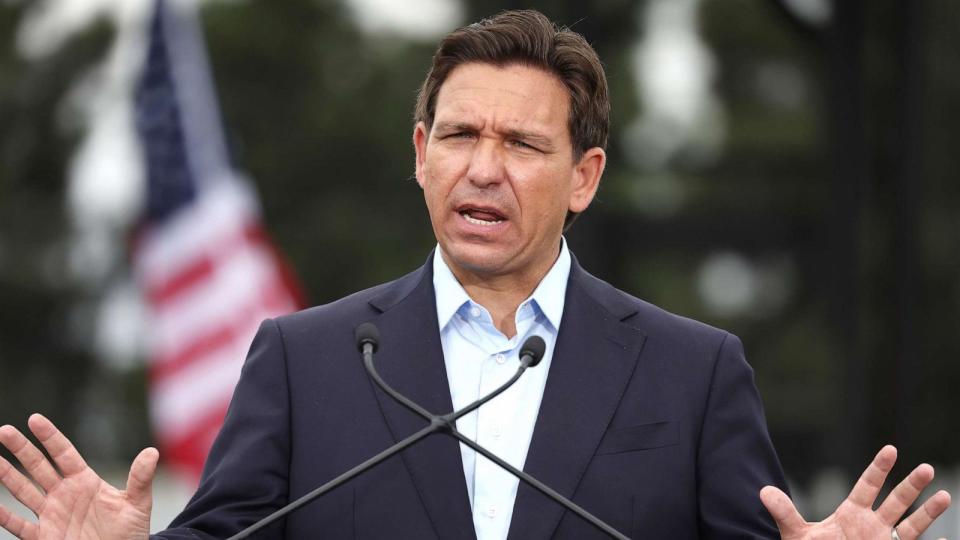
(75, 502)
(855, 517)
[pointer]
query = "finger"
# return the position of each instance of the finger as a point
(58, 446)
(32, 459)
(912, 527)
(788, 519)
(140, 480)
(871, 481)
(905, 494)
(16, 525)
(21, 488)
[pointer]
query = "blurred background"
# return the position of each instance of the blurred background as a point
(782, 169)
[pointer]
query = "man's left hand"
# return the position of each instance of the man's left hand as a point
(855, 518)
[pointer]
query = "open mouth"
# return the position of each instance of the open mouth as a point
(481, 216)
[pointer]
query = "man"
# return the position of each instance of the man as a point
(646, 419)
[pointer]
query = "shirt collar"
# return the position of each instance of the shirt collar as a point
(551, 293)
(548, 297)
(449, 293)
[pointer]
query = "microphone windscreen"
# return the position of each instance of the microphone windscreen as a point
(534, 347)
(367, 333)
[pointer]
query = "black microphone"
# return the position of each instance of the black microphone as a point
(533, 348)
(367, 335)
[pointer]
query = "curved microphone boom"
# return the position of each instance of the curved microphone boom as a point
(368, 341)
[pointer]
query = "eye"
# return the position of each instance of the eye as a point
(516, 143)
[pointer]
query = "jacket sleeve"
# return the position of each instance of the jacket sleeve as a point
(246, 474)
(735, 457)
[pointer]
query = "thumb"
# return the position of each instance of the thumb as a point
(140, 480)
(788, 519)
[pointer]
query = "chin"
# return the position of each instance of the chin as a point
(477, 259)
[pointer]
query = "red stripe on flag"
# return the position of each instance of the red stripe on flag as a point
(197, 272)
(202, 267)
(200, 348)
(273, 300)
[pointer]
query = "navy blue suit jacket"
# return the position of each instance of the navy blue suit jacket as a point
(649, 420)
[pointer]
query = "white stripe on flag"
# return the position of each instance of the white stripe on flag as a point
(202, 387)
(237, 284)
(202, 229)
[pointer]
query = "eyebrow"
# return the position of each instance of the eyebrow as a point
(537, 139)
(527, 136)
(447, 127)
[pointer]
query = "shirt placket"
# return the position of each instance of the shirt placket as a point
(491, 504)
(495, 487)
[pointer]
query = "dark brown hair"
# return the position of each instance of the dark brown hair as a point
(528, 37)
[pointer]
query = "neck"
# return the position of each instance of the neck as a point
(501, 295)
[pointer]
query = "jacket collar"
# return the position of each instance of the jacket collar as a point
(410, 359)
(593, 361)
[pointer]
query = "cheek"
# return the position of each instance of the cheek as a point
(432, 196)
(436, 189)
(548, 194)
(441, 169)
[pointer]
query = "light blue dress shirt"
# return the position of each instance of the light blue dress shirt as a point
(478, 359)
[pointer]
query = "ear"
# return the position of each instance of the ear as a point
(586, 178)
(420, 136)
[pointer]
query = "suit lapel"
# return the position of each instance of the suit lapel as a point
(410, 359)
(594, 359)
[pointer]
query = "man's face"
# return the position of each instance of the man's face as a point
(497, 170)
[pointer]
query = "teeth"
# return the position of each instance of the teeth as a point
(479, 221)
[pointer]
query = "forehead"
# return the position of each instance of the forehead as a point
(508, 97)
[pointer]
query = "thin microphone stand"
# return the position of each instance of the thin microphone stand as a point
(446, 424)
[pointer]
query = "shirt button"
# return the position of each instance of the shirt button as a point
(475, 311)
(491, 511)
(501, 358)
(495, 431)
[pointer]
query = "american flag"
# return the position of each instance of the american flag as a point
(208, 272)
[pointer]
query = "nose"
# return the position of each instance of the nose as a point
(486, 164)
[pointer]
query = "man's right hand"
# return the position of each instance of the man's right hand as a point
(75, 502)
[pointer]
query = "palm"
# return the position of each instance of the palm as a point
(848, 521)
(855, 518)
(75, 503)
